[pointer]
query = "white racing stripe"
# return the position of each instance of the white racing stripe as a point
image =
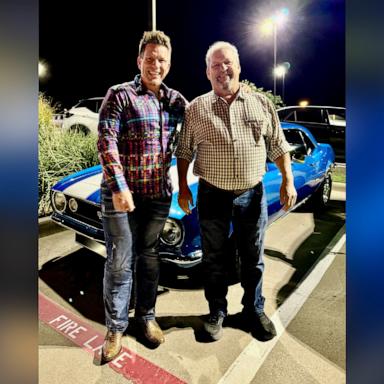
(254, 354)
(84, 188)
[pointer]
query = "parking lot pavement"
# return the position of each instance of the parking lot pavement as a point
(310, 342)
(312, 348)
(309, 349)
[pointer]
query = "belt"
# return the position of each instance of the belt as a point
(236, 192)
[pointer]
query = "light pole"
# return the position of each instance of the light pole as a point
(280, 71)
(153, 15)
(274, 55)
(271, 25)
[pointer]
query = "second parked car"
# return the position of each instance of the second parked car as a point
(84, 116)
(326, 123)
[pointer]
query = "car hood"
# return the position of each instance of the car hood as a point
(85, 185)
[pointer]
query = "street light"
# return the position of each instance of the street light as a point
(303, 103)
(44, 73)
(280, 71)
(43, 70)
(271, 25)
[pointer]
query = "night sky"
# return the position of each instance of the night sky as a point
(90, 47)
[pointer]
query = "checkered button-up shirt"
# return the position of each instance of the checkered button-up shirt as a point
(137, 136)
(231, 141)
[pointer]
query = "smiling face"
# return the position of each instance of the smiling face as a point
(223, 71)
(154, 65)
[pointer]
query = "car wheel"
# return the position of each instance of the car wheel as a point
(79, 128)
(321, 197)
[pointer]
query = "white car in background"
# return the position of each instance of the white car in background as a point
(84, 116)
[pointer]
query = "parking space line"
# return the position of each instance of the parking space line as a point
(132, 366)
(245, 367)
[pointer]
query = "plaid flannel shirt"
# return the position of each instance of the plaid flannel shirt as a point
(137, 137)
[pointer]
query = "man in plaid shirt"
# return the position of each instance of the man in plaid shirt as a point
(137, 132)
(230, 133)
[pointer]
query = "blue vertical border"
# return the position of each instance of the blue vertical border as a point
(365, 189)
(365, 192)
(18, 190)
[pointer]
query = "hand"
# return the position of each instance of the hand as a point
(185, 199)
(123, 201)
(288, 195)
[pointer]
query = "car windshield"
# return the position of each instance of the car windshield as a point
(93, 105)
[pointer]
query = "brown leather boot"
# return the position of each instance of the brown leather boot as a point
(152, 331)
(112, 345)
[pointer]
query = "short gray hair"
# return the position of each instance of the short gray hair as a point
(220, 45)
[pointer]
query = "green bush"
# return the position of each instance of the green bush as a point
(276, 100)
(60, 152)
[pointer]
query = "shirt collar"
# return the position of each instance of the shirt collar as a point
(165, 92)
(241, 95)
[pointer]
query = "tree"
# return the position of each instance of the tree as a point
(276, 100)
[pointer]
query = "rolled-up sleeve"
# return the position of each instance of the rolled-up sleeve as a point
(278, 145)
(186, 147)
(107, 144)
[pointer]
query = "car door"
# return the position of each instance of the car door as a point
(303, 167)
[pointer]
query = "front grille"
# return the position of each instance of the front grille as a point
(87, 213)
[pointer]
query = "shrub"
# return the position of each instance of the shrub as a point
(60, 152)
(276, 100)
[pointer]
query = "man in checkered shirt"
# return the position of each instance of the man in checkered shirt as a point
(230, 133)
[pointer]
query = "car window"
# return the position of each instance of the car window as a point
(300, 143)
(309, 115)
(336, 116)
(293, 136)
(339, 114)
(286, 115)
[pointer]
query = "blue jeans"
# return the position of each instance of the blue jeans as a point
(217, 208)
(132, 256)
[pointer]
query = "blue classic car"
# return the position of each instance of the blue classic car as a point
(76, 199)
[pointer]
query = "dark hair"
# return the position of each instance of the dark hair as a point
(154, 37)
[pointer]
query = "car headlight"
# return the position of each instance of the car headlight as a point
(73, 205)
(172, 233)
(59, 201)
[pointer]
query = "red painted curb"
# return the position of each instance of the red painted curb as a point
(127, 363)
